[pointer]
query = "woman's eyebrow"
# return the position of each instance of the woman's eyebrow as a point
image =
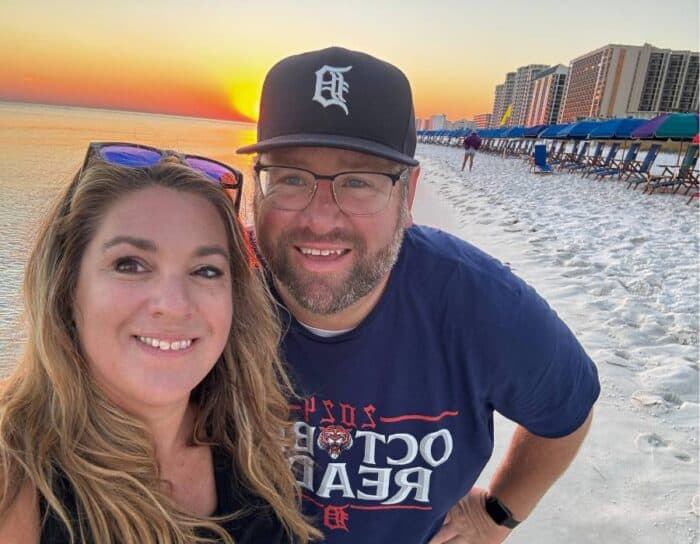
(205, 251)
(140, 243)
(149, 245)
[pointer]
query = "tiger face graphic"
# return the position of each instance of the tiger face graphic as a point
(334, 439)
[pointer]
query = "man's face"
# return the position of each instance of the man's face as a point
(322, 257)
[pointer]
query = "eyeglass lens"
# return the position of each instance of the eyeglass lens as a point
(355, 192)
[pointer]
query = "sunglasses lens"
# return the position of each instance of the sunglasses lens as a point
(215, 171)
(124, 155)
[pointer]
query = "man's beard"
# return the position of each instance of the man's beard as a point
(330, 293)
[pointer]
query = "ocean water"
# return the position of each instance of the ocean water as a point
(42, 146)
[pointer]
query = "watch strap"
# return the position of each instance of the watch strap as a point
(500, 513)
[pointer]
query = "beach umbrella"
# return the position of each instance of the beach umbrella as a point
(578, 130)
(678, 126)
(647, 131)
(498, 132)
(613, 129)
(551, 132)
(534, 131)
(514, 132)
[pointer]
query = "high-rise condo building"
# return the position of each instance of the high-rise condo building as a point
(522, 93)
(482, 120)
(438, 122)
(502, 99)
(547, 93)
(627, 80)
(666, 81)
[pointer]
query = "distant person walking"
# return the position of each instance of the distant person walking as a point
(471, 144)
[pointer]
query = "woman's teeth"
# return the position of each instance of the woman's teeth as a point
(164, 344)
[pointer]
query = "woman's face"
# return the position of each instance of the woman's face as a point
(153, 300)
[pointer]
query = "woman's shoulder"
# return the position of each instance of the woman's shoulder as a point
(20, 521)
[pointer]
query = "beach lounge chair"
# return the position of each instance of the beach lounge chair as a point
(554, 152)
(677, 176)
(638, 172)
(617, 167)
(539, 165)
(602, 164)
(577, 159)
(566, 157)
(528, 149)
(588, 160)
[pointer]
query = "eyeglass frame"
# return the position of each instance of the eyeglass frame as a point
(395, 178)
(94, 148)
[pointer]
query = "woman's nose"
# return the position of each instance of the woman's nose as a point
(171, 298)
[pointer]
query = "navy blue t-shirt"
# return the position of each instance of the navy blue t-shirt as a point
(396, 421)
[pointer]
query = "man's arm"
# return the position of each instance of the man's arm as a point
(530, 467)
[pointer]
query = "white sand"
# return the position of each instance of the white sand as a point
(621, 268)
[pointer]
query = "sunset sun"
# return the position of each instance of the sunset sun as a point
(245, 99)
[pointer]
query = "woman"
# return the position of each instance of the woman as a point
(149, 403)
(471, 145)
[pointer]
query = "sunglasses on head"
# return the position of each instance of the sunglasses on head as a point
(140, 156)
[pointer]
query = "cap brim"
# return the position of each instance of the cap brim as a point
(329, 140)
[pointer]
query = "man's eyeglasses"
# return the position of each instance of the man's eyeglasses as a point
(356, 193)
(140, 156)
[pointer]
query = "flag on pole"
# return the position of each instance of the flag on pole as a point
(506, 115)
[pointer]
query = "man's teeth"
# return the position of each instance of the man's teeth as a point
(321, 252)
(164, 344)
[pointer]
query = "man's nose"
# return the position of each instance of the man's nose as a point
(322, 213)
(323, 198)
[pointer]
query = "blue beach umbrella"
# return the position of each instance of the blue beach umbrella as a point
(551, 132)
(514, 132)
(534, 131)
(578, 130)
(615, 129)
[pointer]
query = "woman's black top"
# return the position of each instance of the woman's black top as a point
(259, 525)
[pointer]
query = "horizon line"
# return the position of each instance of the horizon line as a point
(115, 109)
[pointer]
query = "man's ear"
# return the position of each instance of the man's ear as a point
(412, 182)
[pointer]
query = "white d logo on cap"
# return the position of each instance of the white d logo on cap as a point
(334, 87)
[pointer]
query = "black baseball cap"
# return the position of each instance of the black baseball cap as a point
(337, 98)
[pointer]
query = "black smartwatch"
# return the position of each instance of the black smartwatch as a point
(500, 514)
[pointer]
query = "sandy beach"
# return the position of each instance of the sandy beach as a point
(621, 268)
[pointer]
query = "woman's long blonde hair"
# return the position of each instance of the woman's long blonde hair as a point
(54, 420)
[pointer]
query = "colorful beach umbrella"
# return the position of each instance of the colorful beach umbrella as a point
(669, 126)
(647, 131)
(682, 127)
(678, 126)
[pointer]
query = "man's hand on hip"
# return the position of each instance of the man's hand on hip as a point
(469, 523)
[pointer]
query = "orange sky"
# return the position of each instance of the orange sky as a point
(209, 59)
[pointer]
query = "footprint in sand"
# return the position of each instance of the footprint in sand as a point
(637, 240)
(653, 444)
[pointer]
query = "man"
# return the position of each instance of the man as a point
(471, 145)
(401, 339)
